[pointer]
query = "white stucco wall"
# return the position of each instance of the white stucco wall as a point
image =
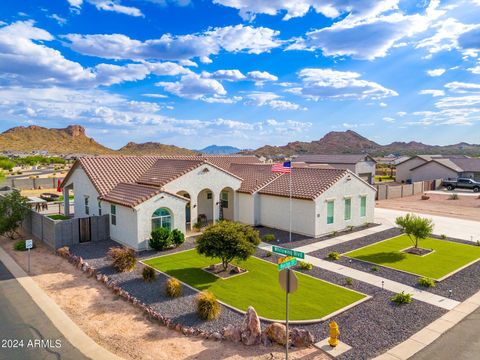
(432, 171)
(126, 229)
(366, 167)
(246, 210)
(403, 170)
(353, 189)
(82, 186)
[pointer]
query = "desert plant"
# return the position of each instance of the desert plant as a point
(161, 239)
(123, 259)
(208, 308)
(268, 254)
(177, 237)
(350, 228)
(148, 274)
(348, 281)
(20, 245)
(305, 265)
(63, 251)
(269, 237)
(402, 298)
(197, 226)
(443, 236)
(173, 288)
(228, 240)
(14, 209)
(415, 227)
(334, 233)
(426, 282)
(453, 197)
(334, 255)
(374, 268)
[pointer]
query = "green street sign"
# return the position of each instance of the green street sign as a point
(288, 252)
(287, 264)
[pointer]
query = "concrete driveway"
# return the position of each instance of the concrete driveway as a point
(452, 227)
(21, 319)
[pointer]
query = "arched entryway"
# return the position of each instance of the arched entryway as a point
(205, 209)
(188, 209)
(226, 204)
(162, 217)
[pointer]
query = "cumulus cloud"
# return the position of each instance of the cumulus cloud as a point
(194, 86)
(436, 72)
(260, 77)
(239, 38)
(265, 98)
(228, 75)
(331, 84)
(462, 87)
(107, 5)
(297, 8)
(433, 92)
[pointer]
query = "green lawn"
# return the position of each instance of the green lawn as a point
(58, 217)
(447, 257)
(259, 287)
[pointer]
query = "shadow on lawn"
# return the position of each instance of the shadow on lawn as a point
(195, 277)
(383, 257)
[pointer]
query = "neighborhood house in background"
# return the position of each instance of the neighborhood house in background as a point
(185, 192)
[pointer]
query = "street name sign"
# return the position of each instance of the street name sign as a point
(288, 252)
(287, 264)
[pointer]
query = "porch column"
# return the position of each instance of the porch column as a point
(66, 201)
(216, 206)
(235, 205)
(193, 210)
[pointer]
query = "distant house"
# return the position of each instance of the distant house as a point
(430, 167)
(361, 164)
(141, 193)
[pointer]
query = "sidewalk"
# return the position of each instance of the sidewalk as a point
(60, 320)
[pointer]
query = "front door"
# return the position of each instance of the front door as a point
(85, 230)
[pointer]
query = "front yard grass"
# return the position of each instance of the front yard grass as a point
(58, 217)
(447, 256)
(259, 287)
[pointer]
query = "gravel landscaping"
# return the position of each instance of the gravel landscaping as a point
(298, 240)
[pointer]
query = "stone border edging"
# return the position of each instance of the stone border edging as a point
(433, 331)
(56, 315)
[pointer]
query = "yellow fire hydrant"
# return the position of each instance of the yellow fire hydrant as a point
(334, 334)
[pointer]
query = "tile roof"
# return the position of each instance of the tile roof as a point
(332, 159)
(166, 170)
(254, 176)
(307, 183)
(467, 164)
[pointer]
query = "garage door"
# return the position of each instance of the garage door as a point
(367, 177)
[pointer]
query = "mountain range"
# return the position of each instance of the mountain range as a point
(73, 139)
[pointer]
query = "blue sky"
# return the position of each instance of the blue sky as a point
(243, 72)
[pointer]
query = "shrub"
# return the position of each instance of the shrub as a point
(334, 233)
(161, 239)
(305, 265)
(426, 282)
(443, 236)
(268, 254)
(197, 226)
(20, 245)
(148, 274)
(177, 237)
(350, 228)
(269, 237)
(453, 197)
(348, 281)
(374, 268)
(124, 259)
(402, 298)
(334, 255)
(173, 288)
(63, 251)
(208, 308)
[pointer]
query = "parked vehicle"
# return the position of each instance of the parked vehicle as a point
(462, 184)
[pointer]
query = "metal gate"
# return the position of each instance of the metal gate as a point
(85, 230)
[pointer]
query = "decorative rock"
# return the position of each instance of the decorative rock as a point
(301, 337)
(236, 270)
(277, 333)
(216, 336)
(232, 333)
(99, 277)
(265, 340)
(178, 327)
(251, 329)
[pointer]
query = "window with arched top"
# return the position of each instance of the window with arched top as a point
(162, 217)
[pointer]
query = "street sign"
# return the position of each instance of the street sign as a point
(287, 264)
(285, 259)
(288, 252)
(288, 280)
(28, 244)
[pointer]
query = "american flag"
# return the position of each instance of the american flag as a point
(284, 168)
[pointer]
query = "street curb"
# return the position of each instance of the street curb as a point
(57, 316)
(433, 331)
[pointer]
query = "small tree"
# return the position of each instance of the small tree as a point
(228, 241)
(416, 227)
(161, 239)
(13, 210)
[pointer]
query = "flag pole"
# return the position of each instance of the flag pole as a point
(290, 185)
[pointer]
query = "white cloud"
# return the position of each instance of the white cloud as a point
(433, 92)
(107, 5)
(60, 20)
(228, 75)
(382, 104)
(331, 84)
(297, 8)
(155, 96)
(239, 38)
(436, 72)
(195, 87)
(401, 113)
(462, 87)
(260, 77)
(264, 98)
(475, 69)
(389, 119)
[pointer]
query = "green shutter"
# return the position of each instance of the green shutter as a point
(330, 211)
(363, 206)
(348, 209)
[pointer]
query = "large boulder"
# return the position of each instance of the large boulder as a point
(251, 329)
(277, 332)
(301, 337)
(232, 333)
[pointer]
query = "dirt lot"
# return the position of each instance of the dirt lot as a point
(121, 328)
(466, 207)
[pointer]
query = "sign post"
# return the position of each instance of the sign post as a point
(288, 252)
(289, 283)
(28, 246)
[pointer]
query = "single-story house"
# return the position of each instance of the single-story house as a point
(141, 193)
(430, 167)
(361, 164)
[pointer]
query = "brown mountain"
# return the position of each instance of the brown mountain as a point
(71, 139)
(154, 148)
(350, 142)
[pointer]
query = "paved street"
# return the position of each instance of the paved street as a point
(462, 342)
(22, 319)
